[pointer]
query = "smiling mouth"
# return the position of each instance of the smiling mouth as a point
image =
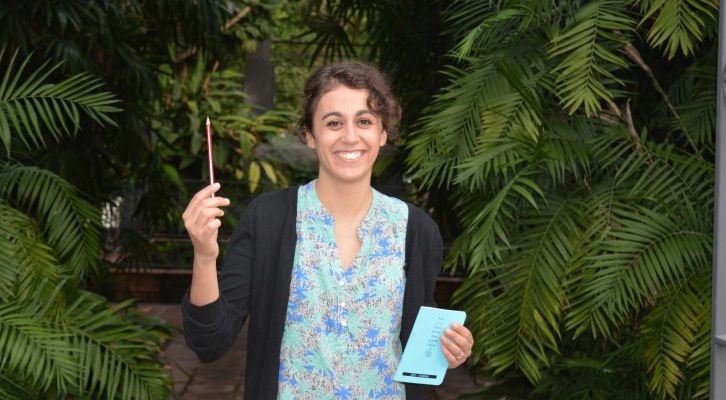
(349, 155)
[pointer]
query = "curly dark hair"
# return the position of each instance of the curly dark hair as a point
(354, 75)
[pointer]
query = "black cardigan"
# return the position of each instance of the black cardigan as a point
(255, 282)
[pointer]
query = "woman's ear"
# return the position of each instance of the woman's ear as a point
(383, 138)
(309, 139)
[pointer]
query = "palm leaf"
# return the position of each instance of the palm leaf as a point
(487, 229)
(71, 224)
(515, 313)
(113, 355)
(25, 259)
(33, 106)
(450, 130)
(677, 25)
(10, 389)
(489, 100)
(541, 302)
(335, 29)
(588, 61)
(672, 331)
(30, 347)
(640, 253)
(564, 151)
(694, 98)
(494, 31)
(495, 160)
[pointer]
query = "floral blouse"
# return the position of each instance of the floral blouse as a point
(341, 337)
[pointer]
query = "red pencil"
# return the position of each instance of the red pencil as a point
(209, 153)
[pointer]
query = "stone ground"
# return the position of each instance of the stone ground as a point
(224, 378)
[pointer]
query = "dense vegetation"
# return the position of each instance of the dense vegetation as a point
(566, 148)
(94, 114)
(578, 140)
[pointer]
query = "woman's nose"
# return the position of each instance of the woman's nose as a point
(349, 133)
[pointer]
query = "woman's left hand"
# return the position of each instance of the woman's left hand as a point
(456, 344)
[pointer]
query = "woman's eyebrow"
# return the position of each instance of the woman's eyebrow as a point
(339, 114)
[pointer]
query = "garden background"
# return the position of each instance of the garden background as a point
(566, 149)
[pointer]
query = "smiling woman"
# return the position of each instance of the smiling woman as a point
(332, 273)
(346, 137)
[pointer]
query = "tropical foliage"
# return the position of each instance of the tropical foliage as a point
(56, 339)
(167, 86)
(577, 141)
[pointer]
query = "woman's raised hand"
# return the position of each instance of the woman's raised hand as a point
(201, 220)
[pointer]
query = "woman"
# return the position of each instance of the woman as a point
(330, 275)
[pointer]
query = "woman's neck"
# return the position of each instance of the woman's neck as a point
(345, 201)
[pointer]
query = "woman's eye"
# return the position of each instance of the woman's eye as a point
(333, 124)
(365, 122)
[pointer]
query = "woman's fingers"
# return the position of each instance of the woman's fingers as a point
(208, 191)
(456, 344)
(203, 197)
(201, 220)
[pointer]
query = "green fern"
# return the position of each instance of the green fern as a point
(589, 62)
(58, 341)
(71, 225)
(34, 349)
(34, 106)
(677, 25)
(584, 202)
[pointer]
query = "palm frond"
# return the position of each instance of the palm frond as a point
(25, 259)
(515, 312)
(29, 346)
(677, 25)
(113, 355)
(659, 175)
(589, 61)
(672, 328)
(33, 106)
(335, 29)
(466, 16)
(640, 253)
(10, 389)
(496, 160)
(564, 150)
(451, 127)
(694, 98)
(72, 225)
(493, 31)
(489, 100)
(698, 363)
(514, 107)
(487, 230)
(562, 304)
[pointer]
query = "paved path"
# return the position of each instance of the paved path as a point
(224, 378)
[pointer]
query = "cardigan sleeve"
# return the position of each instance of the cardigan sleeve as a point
(210, 330)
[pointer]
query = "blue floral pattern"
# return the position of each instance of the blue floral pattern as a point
(341, 337)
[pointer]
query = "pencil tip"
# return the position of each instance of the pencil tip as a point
(207, 119)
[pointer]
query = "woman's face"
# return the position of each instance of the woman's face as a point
(346, 136)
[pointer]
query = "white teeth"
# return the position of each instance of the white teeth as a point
(349, 155)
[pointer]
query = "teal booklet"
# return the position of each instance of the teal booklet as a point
(422, 361)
